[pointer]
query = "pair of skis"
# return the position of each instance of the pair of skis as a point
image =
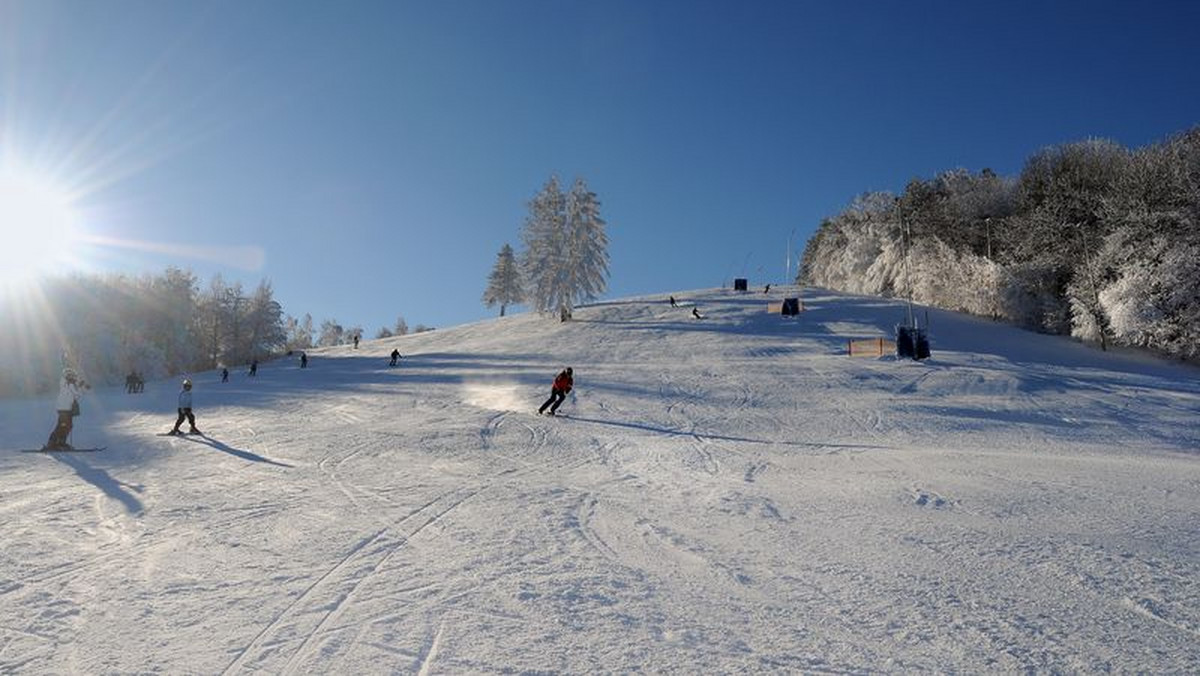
(64, 450)
(97, 449)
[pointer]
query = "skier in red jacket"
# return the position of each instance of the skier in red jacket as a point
(558, 391)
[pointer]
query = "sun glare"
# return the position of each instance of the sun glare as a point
(37, 228)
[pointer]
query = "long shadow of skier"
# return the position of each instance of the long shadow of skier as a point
(104, 481)
(236, 452)
(721, 437)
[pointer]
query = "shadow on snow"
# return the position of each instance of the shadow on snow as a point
(236, 452)
(113, 488)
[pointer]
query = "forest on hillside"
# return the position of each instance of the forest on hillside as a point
(158, 325)
(1092, 239)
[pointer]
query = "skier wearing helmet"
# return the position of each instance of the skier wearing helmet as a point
(558, 391)
(185, 410)
(70, 388)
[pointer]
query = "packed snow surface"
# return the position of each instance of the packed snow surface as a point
(723, 495)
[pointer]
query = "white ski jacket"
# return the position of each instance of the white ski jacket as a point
(68, 394)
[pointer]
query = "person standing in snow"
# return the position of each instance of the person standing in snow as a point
(253, 368)
(696, 313)
(70, 388)
(224, 375)
(303, 360)
(673, 303)
(563, 383)
(395, 356)
(356, 341)
(185, 410)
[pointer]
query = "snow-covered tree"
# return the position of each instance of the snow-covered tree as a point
(1091, 239)
(332, 333)
(264, 321)
(566, 248)
(401, 326)
(216, 316)
(504, 284)
(383, 332)
(157, 325)
(586, 276)
(544, 238)
(299, 333)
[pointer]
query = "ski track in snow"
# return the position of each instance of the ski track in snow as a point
(729, 495)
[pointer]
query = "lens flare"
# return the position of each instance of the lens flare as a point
(38, 227)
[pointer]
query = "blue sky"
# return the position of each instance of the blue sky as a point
(380, 154)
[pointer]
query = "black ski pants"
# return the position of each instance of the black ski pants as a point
(556, 399)
(185, 413)
(62, 429)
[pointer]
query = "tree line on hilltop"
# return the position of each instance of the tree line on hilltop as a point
(1092, 239)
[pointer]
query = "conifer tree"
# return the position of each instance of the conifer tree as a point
(586, 274)
(566, 248)
(543, 236)
(504, 284)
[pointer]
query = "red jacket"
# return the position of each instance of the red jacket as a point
(563, 382)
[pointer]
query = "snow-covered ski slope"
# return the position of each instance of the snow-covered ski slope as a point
(729, 494)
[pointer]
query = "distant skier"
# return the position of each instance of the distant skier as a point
(356, 341)
(696, 313)
(224, 375)
(303, 360)
(563, 383)
(185, 410)
(673, 303)
(253, 368)
(70, 388)
(395, 357)
(767, 289)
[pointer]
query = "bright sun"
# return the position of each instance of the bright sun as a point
(37, 227)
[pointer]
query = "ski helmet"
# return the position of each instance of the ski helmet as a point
(187, 384)
(569, 371)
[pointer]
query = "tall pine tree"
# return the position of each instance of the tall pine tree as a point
(544, 236)
(504, 284)
(586, 275)
(566, 248)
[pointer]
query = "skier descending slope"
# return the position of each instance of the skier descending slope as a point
(185, 410)
(558, 391)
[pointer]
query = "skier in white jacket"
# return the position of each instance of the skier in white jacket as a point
(185, 410)
(70, 388)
